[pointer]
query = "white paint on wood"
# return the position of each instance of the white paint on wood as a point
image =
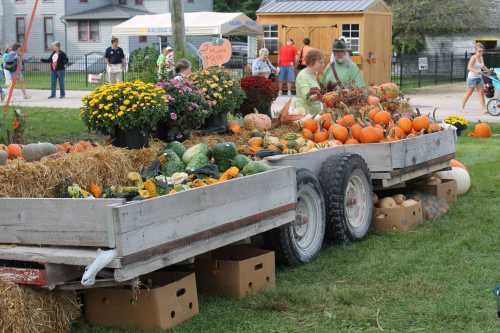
(61, 222)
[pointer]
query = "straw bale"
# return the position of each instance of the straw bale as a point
(24, 309)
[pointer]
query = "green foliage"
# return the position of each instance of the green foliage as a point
(143, 63)
(414, 19)
(249, 7)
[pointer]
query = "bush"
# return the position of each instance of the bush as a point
(260, 94)
(125, 106)
(143, 64)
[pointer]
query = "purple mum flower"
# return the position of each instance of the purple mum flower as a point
(173, 115)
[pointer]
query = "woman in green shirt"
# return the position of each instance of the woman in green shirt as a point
(307, 79)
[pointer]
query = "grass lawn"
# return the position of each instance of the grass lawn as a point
(438, 278)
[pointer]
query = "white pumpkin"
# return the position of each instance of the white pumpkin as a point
(461, 176)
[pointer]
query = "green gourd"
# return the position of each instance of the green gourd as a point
(35, 151)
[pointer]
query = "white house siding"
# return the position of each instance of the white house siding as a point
(36, 47)
(458, 44)
(162, 6)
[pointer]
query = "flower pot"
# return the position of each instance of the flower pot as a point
(169, 134)
(130, 139)
(216, 123)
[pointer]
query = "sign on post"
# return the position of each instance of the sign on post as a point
(215, 53)
(423, 64)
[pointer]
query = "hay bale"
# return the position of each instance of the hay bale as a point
(104, 165)
(27, 310)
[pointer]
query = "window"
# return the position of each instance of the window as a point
(20, 29)
(350, 33)
(143, 39)
(139, 2)
(88, 31)
(48, 31)
(122, 2)
(271, 38)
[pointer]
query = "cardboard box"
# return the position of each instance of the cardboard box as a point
(447, 190)
(236, 271)
(399, 218)
(171, 300)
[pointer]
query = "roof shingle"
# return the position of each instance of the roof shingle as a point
(108, 12)
(314, 6)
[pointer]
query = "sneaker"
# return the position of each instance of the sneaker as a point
(50, 97)
(63, 96)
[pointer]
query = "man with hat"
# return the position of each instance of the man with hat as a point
(342, 72)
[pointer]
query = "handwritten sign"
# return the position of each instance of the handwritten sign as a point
(215, 53)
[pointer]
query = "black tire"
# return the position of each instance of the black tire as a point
(298, 243)
(336, 174)
(493, 107)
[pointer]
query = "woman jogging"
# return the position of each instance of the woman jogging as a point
(474, 78)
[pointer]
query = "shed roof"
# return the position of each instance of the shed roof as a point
(314, 6)
(108, 12)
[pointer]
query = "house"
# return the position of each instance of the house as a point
(366, 26)
(82, 26)
(461, 43)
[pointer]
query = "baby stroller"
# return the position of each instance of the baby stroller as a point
(491, 85)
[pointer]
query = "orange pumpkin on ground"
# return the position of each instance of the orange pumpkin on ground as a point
(405, 124)
(339, 133)
(421, 123)
(311, 125)
(481, 130)
(14, 151)
(382, 117)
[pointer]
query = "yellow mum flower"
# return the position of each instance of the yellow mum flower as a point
(109, 98)
(122, 108)
(120, 113)
(126, 102)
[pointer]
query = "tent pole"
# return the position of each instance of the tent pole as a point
(159, 37)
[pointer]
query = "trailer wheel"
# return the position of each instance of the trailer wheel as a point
(301, 241)
(347, 188)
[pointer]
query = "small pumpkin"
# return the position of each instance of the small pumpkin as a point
(311, 125)
(421, 123)
(405, 124)
(369, 134)
(256, 142)
(457, 164)
(434, 127)
(307, 134)
(257, 121)
(339, 133)
(321, 135)
(382, 118)
(356, 131)
(373, 112)
(481, 130)
(96, 190)
(327, 120)
(234, 127)
(387, 202)
(348, 120)
(14, 151)
(351, 141)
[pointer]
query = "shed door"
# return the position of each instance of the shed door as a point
(322, 37)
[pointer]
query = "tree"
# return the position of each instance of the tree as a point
(249, 7)
(414, 19)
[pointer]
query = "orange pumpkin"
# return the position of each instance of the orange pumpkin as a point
(396, 133)
(234, 127)
(388, 91)
(351, 141)
(434, 127)
(356, 131)
(256, 141)
(311, 125)
(372, 113)
(382, 117)
(348, 120)
(369, 134)
(257, 121)
(307, 134)
(457, 164)
(339, 133)
(14, 151)
(405, 124)
(481, 130)
(95, 190)
(421, 123)
(321, 135)
(326, 120)
(373, 100)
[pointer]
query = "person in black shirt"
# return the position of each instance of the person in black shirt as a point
(115, 59)
(58, 61)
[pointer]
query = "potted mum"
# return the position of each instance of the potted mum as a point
(187, 110)
(260, 94)
(127, 111)
(223, 94)
(460, 123)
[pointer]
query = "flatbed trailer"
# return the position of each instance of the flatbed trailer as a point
(304, 200)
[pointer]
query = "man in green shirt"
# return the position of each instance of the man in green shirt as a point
(348, 73)
(165, 64)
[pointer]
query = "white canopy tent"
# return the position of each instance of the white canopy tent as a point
(197, 24)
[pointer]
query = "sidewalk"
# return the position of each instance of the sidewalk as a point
(39, 98)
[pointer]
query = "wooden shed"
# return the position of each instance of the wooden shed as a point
(366, 26)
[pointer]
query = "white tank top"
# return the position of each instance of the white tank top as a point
(477, 66)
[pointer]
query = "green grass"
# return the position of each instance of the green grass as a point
(52, 125)
(438, 278)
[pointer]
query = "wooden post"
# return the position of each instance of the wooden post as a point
(179, 33)
(451, 65)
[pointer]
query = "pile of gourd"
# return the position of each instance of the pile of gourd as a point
(398, 200)
(179, 169)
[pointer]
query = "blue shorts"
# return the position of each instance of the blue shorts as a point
(472, 83)
(287, 73)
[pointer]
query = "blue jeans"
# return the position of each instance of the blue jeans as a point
(55, 76)
(287, 73)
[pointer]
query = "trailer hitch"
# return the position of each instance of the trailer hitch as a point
(102, 260)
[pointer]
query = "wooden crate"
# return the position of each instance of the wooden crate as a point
(380, 157)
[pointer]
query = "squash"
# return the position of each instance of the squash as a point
(14, 151)
(290, 151)
(356, 131)
(373, 112)
(198, 183)
(461, 176)
(229, 174)
(256, 142)
(387, 202)
(481, 130)
(257, 121)
(290, 136)
(257, 134)
(409, 203)
(96, 190)
(224, 151)
(3, 157)
(399, 198)
(271, 140)
(150, 186)
(35, 151)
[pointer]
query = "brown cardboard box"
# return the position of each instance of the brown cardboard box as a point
(399, 218)
(236, 271)
(447, 190)
(172, 300)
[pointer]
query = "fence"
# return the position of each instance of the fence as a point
(413, 71)
(37, 72)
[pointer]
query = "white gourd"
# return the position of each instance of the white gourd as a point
(461, 176)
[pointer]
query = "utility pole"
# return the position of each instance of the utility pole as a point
(177, 19)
